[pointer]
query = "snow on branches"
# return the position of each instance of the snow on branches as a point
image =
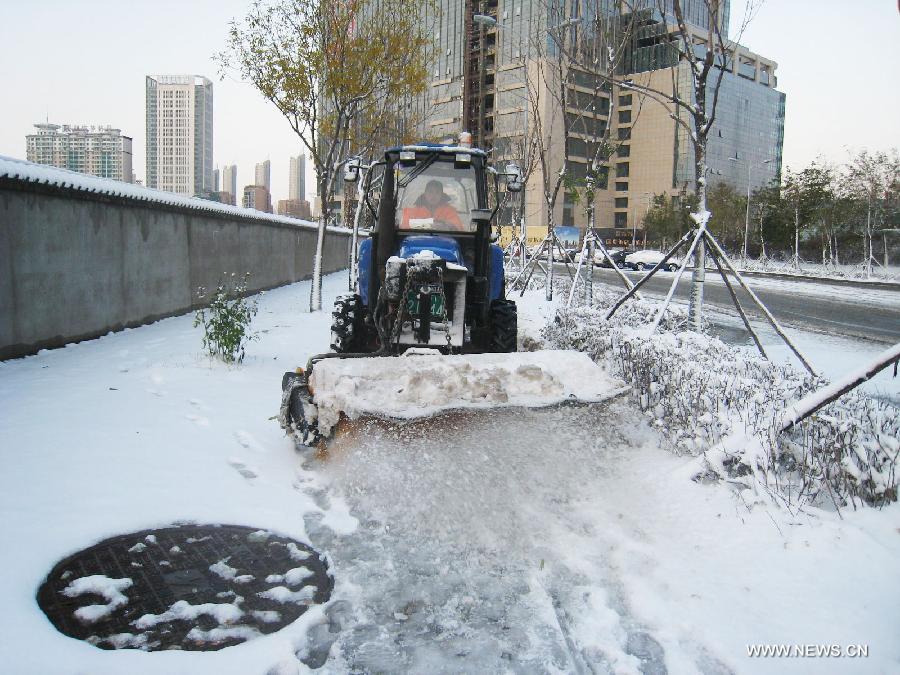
(723, 405)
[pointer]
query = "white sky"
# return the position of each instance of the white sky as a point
(84, 63)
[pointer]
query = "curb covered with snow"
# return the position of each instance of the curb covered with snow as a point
(882, 284)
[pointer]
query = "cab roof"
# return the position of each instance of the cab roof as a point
(437, 147)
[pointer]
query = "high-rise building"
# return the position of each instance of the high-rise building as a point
(264, 175)
(478, 83)
(696, 13)
(297, 178)
(229, 184)
(215, 180)
(180, 133)
(296, 208)
(99, 151)
(256, 197)
(655, 154)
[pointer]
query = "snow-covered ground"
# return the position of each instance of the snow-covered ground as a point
(831, 355)
(855, 271)
(873, 297)
(557, 540)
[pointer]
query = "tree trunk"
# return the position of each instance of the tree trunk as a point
(868, 243)
(797, 238)
(523, 231)
(548, 288)
(354, 240)
(762, 240)
(315, 293)
(695, 308)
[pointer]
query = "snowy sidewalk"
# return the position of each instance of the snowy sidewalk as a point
(548, 541)
(136, 430)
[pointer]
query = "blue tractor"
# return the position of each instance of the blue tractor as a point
(429, 274)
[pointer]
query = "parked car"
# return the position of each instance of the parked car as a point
(642, 260)
(574, 254)
(532, 252)
(569, 255)
(618, 257)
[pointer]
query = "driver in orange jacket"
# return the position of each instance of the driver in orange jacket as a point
(434, 204)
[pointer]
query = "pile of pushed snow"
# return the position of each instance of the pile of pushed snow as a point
(715, 400)
(424, 382)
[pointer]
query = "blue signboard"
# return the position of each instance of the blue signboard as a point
(569, 236)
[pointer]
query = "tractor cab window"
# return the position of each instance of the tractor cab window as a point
(436, 198)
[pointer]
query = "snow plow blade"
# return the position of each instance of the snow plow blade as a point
(423, 383)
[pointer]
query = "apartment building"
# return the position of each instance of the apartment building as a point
(257, 197)
(179, 118)
(97, 150)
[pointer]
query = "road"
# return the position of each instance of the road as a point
(849, 311)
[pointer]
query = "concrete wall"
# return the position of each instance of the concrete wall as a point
(75, 266)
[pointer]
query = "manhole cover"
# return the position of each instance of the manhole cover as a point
(189, 587)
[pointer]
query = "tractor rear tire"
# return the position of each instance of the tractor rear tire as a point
(504, 326)
(347, 324)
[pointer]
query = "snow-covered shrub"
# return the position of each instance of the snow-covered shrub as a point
(226, 320)
(711, 399)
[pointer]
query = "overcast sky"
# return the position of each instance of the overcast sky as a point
(84, 62)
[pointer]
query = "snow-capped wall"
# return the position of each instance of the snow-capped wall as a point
(12, 169)
(81, 256)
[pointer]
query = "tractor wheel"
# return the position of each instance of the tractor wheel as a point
(347, 324)
(297, 414)
(504, 326)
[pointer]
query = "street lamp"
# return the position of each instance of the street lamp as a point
(747, 216)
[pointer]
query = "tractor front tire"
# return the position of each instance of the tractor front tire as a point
(298, 413)
(504, 326)
(347, 324)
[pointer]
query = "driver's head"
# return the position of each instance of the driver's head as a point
(434, 193)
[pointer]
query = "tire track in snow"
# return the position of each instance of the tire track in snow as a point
(473, 550)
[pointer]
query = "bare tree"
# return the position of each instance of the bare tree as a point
(524, 152)
(558, 115)
(707, 54)
(806, 193)
(872, 179)
(548, 132)
(335, 70)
